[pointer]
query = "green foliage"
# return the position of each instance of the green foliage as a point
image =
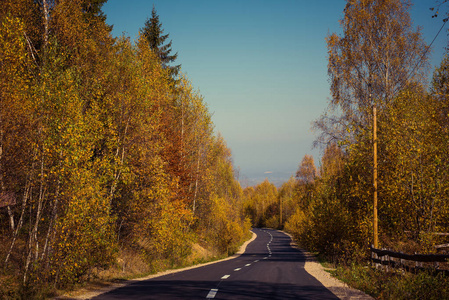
(153, 33)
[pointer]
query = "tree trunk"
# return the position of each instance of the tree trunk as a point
(33, 243)
(26, 195)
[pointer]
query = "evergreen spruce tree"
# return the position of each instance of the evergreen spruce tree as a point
(154, 34)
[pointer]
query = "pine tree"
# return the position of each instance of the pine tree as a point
(153, 32)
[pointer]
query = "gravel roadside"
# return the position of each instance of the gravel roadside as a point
(337, 287)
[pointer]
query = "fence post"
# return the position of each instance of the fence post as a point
(401, 260)
(374, 256)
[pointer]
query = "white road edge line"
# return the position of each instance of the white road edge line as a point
(212, 294)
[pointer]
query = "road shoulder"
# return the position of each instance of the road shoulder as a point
(337, 287)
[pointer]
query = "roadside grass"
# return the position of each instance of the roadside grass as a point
(131, 266)
(323, 261)
(393, 285)
(357, 273)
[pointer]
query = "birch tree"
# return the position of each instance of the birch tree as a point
(378, 54)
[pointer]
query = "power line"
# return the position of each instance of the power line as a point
(425, 52)
(428, 47)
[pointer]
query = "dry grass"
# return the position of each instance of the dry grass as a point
(131, 265)
(198, 255)
(128, 264)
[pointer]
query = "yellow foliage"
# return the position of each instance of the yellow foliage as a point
(102, 148)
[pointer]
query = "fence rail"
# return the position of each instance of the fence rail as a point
(410, 262)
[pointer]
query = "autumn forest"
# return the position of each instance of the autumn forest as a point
(109, 163)
(105, 152)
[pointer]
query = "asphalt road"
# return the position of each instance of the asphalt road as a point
(269, 269)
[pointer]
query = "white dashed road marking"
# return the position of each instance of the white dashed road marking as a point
(212, 294)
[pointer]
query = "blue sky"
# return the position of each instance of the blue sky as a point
(261, 67)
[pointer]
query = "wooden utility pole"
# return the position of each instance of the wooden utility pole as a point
(376, 235)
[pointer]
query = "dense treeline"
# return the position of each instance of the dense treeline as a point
(379, 61)
(104, 151)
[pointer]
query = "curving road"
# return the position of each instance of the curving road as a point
(269, 269)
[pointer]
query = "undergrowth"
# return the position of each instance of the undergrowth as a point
(394, 285)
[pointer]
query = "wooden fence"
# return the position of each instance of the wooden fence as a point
(387, 259)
